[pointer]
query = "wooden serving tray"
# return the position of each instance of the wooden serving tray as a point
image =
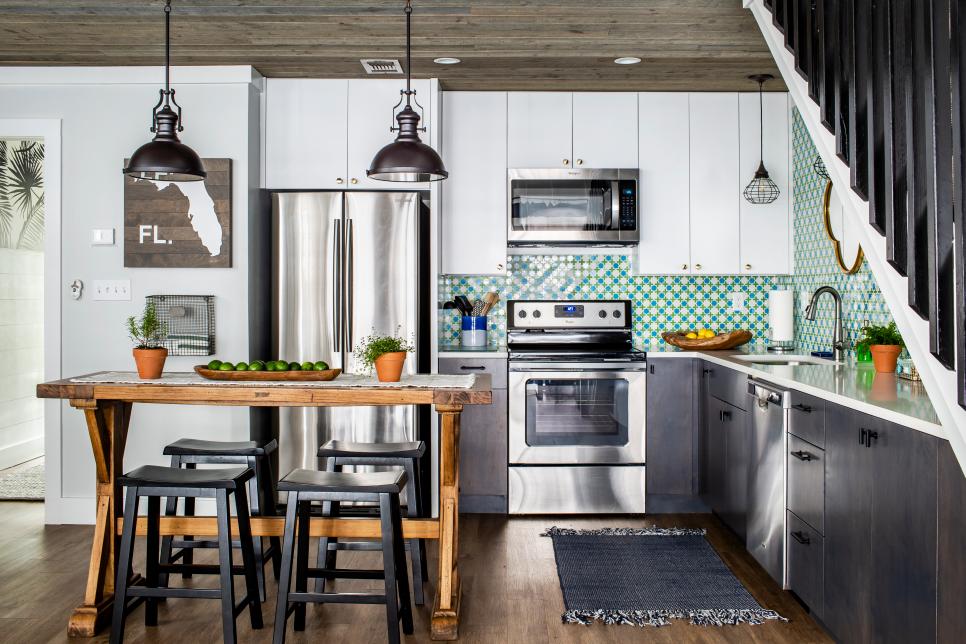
(719, 342)
(267, 376)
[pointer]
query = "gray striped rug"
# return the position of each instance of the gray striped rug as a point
(647, 577)
(23, 482)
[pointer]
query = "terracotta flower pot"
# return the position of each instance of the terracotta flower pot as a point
(150, 362)
(389, 366)
(885, 357)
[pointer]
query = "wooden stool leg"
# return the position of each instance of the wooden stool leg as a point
(124, 565)
(151, 560)
(389, 566)
(170, 510)
(402, 579)
(414, 550)
(301, 564)
(188, 556)
(225, 567)
(257, 542)
(249, 561)
(285, 574)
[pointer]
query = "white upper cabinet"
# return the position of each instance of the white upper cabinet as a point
(715, 184)
(766, 229)
(605, 130)
(539, 129)
(371, 114)
(305, 134)
(663, 192)
(474, 200)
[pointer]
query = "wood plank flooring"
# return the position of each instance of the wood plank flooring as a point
(510, 590)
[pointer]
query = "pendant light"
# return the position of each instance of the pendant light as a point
(166, 158)
(407, 158)
(761, 190)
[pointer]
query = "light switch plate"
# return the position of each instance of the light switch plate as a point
(737, 301)
(112, 289)
(102, 237)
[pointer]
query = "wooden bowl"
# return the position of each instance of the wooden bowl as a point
(719, 342)
(267, 376)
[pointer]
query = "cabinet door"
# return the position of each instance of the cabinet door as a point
(670, 427)
(605, 129)
(765, 229)
(848, 528)
(539, 129)
(952, 563)
(305, 133)
(483, 466)
(474, 210)
(714, 183)
(370, 117)
(737, 457)
(904, 537)
(663, 189)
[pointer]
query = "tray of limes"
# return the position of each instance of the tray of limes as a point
(706, 339)
(259, 370)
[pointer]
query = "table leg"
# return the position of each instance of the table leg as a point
(446, 607)
(107, 425)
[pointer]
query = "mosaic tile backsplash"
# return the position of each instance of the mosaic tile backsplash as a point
(662, 303)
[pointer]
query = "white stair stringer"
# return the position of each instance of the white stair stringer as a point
(940, 382)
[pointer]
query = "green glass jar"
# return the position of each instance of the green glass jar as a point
(862, 354)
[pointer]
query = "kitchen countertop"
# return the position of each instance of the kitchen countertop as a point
(851, 384)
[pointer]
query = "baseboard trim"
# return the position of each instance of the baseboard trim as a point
(21, 452)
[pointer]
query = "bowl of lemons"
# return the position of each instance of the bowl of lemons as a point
(706, 339)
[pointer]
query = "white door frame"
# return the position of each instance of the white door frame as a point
(49, 129)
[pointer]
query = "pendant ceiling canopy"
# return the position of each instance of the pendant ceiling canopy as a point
(407, 158)
(166, 158)
(762, 190)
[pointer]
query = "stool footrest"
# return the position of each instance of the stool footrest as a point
(345, 573)
(337, 598)
(197, 593)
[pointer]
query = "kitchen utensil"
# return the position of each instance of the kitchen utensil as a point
(450, 304)
(464, 305)
(490, 300)
(717, 343)
(477, 308)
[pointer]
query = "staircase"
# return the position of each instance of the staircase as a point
(878, 84)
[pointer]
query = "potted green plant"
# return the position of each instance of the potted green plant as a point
(884, 343)
(148, 334)
(386, 352)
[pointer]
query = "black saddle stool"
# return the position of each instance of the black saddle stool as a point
(306, 486)
(188, 453)
(406, 455)
(153, 482)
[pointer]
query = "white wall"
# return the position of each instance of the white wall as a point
(105, 116)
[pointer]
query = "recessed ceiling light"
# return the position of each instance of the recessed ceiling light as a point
(627, 60)
(447, 60)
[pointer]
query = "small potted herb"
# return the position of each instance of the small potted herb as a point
(148, 334)
(884, 343)
(386, 352)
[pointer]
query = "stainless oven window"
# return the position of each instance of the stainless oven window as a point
(579, 411)
(561, 205)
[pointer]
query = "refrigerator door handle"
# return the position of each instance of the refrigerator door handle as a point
(350, 284)
(337, 279)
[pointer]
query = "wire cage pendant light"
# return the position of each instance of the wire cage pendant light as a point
(762, 190)
(166, 158)
(407, 158)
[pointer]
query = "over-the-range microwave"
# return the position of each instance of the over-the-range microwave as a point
(572, 207)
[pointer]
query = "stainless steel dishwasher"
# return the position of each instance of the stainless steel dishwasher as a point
(765, 535)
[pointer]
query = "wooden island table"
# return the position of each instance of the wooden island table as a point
(107, 399)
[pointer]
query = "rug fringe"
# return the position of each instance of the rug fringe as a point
(554, 531)
(719, 617)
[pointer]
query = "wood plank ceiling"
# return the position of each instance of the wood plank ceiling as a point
(710, 45)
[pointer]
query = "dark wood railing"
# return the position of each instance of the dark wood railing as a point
(888, 77)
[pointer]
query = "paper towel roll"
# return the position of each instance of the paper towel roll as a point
(781, 316)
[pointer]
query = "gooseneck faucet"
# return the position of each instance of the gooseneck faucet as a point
(838, 333)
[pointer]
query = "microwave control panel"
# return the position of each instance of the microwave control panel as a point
(628, 204)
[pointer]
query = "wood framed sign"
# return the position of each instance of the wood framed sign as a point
(179, 225)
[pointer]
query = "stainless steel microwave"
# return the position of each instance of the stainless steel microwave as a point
(572, 207)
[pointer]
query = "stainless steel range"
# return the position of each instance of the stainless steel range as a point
(577, 402)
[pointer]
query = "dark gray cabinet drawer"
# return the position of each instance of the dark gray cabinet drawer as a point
(806, 482)
(496, 367)
(806, 575)
(727, 385)
(806, 419)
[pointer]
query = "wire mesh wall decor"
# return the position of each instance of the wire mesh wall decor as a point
(819, 167)
(190, 322)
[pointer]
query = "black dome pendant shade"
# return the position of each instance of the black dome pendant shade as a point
(166, 158)
(762, 190)
(407, 158)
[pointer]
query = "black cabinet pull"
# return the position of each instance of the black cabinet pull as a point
(651, 369)
(707, 372)
(802, 408)
(862, 436)
(726, 415)
(802, 456)
(801, 538)
(466, 367)
(871, 436)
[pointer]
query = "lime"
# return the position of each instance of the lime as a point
(281, 365)
(214, 365)
(256, 365)
(307, 365)
(294, 366)
(321, 365)
(241, 366)
(226, 366)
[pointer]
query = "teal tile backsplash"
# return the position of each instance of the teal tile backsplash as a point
(664, 303)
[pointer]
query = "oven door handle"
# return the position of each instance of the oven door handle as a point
(596, 368)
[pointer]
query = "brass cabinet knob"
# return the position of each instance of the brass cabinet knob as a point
(499, 267)
(580, 162)
(697, 267)
(354, 180)
(340, 181)
(684, 267)
(566, 161)
(747, 267)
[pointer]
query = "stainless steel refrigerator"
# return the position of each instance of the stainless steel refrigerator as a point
(345, 265)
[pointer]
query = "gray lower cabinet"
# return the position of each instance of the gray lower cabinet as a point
(951, 557)
(725, 459)
(880, 530)
(483, 439)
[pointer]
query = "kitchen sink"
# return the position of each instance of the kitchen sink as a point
(784, 360)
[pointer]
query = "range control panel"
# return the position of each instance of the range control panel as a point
(568, 314)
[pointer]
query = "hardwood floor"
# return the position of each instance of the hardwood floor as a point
(510, 590)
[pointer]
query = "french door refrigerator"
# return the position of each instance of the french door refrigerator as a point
(346, 265)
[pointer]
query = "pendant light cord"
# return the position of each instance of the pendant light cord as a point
(761, 123)
(167, 52)
(409, 49)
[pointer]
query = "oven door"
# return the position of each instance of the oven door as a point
(579, 415)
